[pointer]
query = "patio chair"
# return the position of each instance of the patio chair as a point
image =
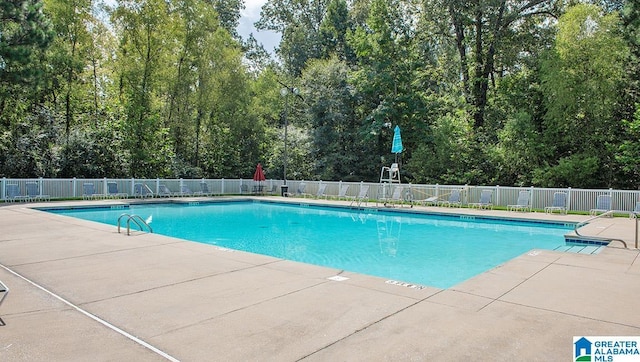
(142, 191)
(3, 294)
(363, 196)
(244, 188)
(273, 190)
(454, 199)
(258, 188)
(14, 194)
(299, 192)
(204, 189)
(559, 203)
(603, 204)
(395, 198)
(33, 192)
(112, 190)
(89, 191)
(523, 202)
(321, 191)
(636, 211)
(485, 200)
(163, 191)
(185, 191)
(342, 193)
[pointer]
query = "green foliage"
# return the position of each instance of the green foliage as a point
(580, 80)
(444, 157)
(575, 170)
(629, 150)
(25, 32)
(336, 149)
(95, 152)
(333, 31)
(31, 149)
(485, 92)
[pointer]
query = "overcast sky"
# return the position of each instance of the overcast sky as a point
(250, 15)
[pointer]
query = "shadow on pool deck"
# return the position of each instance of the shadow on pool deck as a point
(198, 302)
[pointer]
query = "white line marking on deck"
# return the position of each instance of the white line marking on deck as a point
(94, 317)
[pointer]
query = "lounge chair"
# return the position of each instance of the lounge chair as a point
(142, 190)
(342, 193)
(112, 190)
(3, 294)
(185, 191)
(485, 200)
(33, 192)
(14, 194)
(363, 196)
(89, 191)
(603, 204)
(299, 192)
(321, 191)
(559, 203)
(204, 189)
(523, 202)
(396, 196)
(163, 191)
(636, 211)
(454, 199)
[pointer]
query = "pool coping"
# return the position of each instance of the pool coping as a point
(270, 309)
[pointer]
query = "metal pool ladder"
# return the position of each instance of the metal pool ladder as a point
(137, 220)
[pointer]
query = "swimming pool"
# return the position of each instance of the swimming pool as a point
(434, 250)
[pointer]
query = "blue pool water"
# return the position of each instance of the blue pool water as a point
(433, 250)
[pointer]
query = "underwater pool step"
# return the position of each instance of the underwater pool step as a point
(580, 249)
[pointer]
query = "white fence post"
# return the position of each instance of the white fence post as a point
(531, 198)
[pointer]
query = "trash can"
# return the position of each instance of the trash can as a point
(284, 190)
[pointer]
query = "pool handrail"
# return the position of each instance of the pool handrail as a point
(137, 220)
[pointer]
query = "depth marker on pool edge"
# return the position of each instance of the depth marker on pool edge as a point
(94, 317)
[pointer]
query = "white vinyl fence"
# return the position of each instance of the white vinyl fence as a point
(75, 188)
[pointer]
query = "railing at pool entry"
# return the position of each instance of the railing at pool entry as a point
(595, 239)
(137, 220)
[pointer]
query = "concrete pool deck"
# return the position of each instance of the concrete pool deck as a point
(80, 291)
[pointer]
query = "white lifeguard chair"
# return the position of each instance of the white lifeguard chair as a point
(388, 177)
(391, 174)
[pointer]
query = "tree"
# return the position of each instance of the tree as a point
(143, 56)
(229, 14)
(480, 29)
(299, 23)
(333, 31)
(629, 150)
(580, 82)
(25, 32)
(336, 149)
(69, 56)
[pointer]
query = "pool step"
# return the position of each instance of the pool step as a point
(580, 249)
